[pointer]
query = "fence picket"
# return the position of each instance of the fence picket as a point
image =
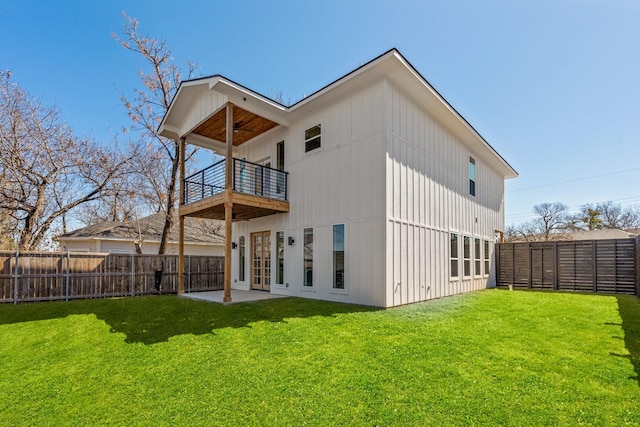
(603, 266)
(46, 276)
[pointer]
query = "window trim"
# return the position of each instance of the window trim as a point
(466, 260)
(279, 245)
(242, 259)
(486, 258)
(455, 259)
(307, 140)
(333, 256)
(307, 284)
(477, 257)
(472, 176)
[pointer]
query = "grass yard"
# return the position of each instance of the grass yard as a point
(487, 358)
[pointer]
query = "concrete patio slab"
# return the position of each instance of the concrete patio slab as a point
(236, 296)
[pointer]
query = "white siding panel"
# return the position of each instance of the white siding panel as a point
(204, 106)
(429, 168)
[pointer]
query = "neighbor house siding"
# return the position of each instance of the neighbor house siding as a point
(427, 188)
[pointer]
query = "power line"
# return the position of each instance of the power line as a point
(573, 180)
(524, 215)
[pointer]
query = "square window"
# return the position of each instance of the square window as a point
(312, 138)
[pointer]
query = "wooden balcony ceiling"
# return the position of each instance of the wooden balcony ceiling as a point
(246, 126)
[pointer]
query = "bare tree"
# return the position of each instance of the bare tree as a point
(47, 170)
(147, 107)
(615, 216)
(552, 218)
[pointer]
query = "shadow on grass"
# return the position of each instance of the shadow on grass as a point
(629, 309)
(154, 319)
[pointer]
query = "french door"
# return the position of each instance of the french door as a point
(261, 260)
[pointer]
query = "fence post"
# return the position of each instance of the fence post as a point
(636, 265)
(189, 275)
(594, 267)
(15, 279)
(66, 280)
(530, 279)
(556, 269)
(133, 275)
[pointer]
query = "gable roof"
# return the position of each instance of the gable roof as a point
(390, 64)
(196, 230)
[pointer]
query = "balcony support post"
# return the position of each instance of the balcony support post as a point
(228, 204)
(181, 221)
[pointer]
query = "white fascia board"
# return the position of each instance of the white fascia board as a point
(251, 101)
(181, 105)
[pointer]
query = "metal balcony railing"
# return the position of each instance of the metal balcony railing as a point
(248, 178)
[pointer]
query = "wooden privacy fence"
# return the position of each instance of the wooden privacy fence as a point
(607, 266)
(46, 276)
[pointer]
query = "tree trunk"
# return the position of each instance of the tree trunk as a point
(171, 200)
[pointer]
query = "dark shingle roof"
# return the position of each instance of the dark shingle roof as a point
(196, 230)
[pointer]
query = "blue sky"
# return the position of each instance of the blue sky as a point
(554, 86)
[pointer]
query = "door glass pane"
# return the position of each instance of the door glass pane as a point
(257, 259)
(266, 258)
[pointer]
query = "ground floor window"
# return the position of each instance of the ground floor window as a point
(308, 257)
(280, 255)
(454, 255)
(241, 259)
(338, 256)
(477, 256)
(486, 257)
(466, 253)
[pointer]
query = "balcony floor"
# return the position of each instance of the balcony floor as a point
(245, 207)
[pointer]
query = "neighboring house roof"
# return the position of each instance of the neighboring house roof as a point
(196, 230)
(390, 64)
(607, 233)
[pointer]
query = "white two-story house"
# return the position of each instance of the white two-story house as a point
(372, 190)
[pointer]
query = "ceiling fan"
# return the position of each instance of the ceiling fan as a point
(237, 127)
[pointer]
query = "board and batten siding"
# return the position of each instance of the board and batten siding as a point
(206, 104)
(427, 189)
(342, 182)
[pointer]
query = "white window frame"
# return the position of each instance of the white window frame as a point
(466, 261)
(306, 140)
(278, 234)
(477, 257)
(456, 258)
(486, 260)
(344, 289)
(304, 260)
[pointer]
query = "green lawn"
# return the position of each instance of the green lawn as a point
(487, 358)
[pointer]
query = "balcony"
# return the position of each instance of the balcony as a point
(257, 191)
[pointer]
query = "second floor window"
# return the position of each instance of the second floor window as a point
(472, 176)
(312, 137)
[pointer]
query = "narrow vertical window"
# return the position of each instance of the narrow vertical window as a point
(308, 257)
(280, 155)
(281, 184)
(454, 255)
(280, 256)
(472, 176)
(338, 256)
(312, 137)
(477, 265)
(241, 259)
(486, 257)
(466, 253)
